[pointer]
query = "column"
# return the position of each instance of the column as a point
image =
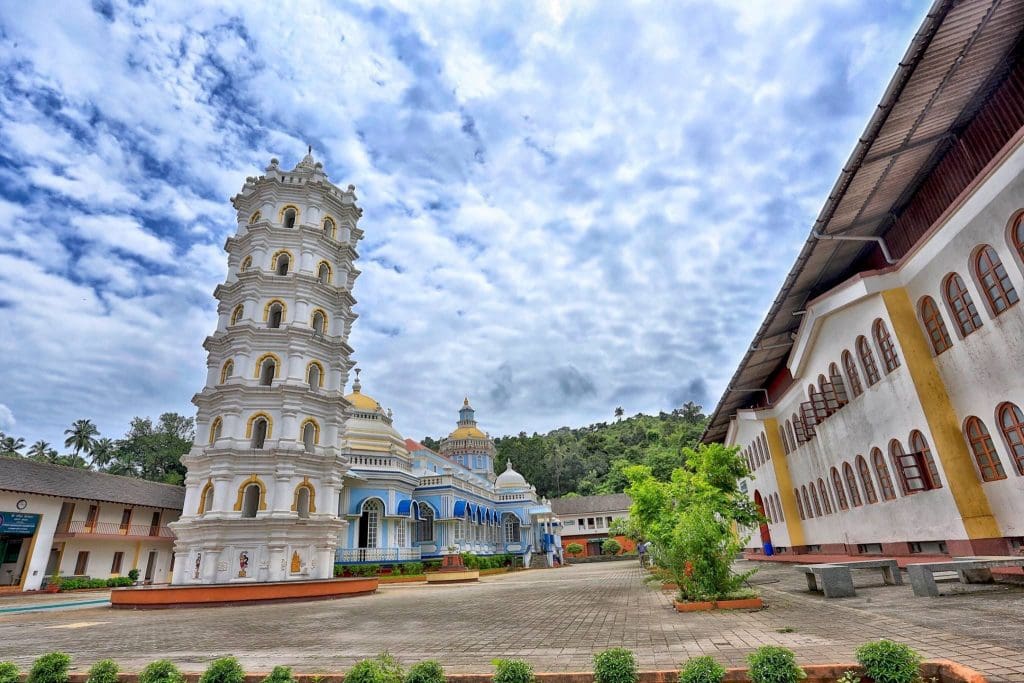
(785, 482)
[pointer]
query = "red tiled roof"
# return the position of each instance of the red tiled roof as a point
(411, 446)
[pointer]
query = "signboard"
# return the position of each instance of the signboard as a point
(18, 523)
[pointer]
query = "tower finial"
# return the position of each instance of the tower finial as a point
(309, 150)
(357, 386)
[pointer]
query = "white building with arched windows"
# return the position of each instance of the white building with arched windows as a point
(879, 406)
(288, 474)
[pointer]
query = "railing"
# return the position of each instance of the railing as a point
(347, 555)
(115, 529)
(379, 461)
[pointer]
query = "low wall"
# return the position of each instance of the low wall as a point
(165, 597)
(600, 558)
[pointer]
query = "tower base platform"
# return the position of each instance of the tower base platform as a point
(214, 595)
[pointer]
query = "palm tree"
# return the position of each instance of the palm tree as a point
(41, 451)
(11, 446)
(619, 412)
(102, 452)
(81, 436)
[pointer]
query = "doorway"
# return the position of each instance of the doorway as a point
(151, 566)
(766, 534)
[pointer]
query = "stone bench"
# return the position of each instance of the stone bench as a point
(836, 578)
(968, 570)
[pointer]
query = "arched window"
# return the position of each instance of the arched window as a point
(882, 472)
(770, 509)
(369, 523)
(289, 216)
(302, 502)
(424, 531)
(807, 501)
(866, 481)
(852, 375)
(799, 504)
(258, 430)
(1016, 233)
(1011, 422)
(867, 359)
(764, 447)
(779, 515)
(511, 528)
(918, 444)
(782, 438)
(329, 227)
(837, 485)
(791, 435)
(236, 314)
(934, 325)
(965, 313)
(908, 469)
(323, 273)
(273, 313)
(995, 283)
(989, 464)
(226, 370)
(851, 485)
(251, 500)
(206, 498)
(825, 500)
(281, 263)
(890, 360)
(838, 385)
(319, 322)
(245, 265)
(814, 499)
(215, 429)
(310, 434)
(315, 375)
(822, 383)
(267, 371)
(255, 217)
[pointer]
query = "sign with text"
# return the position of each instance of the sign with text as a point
(18, 523)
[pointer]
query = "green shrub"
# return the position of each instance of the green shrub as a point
(574, 549)
(9, 672)
(367, 570)
(280, 674)
(886, 661)
(339, 570)
(617, 665)
(412, 568)
(381, 669)
(119, 582)
(611, 547)
(512, 671)
(432, 565)
(774, 664)
(223, 670)
(161, 671)
(702, 670)
(133, 575)
(103, 671)
(429, 671)
(50, 668)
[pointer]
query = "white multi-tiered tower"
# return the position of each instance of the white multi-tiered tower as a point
(265, 471)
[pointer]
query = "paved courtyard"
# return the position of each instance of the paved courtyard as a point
(556, 619)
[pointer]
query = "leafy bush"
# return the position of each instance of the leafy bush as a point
(412, 568)
(223, 670)
(50, 668)
(369, 569)
(119, 582)
(339, 570)
(429, 671)
(702, 670)
(611, 547)
(280, 674)
(9, 673)
(512, 671)
(774, 664)
(574, 549)
(886, 661)
(616, 665)
(381, 669)
(432, 565)
(133, 575)
(103, 671)
(700, 555)
(161, 671)
(79, 582)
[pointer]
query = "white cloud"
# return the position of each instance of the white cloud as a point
(125, 234)
(7, 420)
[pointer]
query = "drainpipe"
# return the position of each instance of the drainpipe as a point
(856, 238)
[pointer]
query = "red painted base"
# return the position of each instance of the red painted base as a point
(165, 597)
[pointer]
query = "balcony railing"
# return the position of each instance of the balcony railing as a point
(348, 555)
(114, 529)
(379, 462)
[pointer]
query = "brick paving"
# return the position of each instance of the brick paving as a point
(556, 619)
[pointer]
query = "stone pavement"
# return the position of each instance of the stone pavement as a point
(556, 619)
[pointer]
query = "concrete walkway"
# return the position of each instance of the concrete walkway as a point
(556, 619)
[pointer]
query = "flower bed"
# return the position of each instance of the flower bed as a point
(738, 603)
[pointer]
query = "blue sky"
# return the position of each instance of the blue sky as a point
(568, 206)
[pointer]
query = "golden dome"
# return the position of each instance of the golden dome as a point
(467, 433)
(361, 401)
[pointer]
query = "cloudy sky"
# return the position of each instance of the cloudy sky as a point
(568, 206)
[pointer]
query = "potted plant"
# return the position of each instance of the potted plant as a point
(53, 583)
(133, 574)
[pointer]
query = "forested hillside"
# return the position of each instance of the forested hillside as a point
(589, 460)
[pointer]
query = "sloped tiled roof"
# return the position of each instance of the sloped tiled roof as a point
(28, 476)
(411, 446)
(586, 504)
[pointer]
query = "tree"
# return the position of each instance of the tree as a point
(151, 451)
(103, 452)
(611, 547)
(43, 452)
(11, 446)
(431, 443)
(574, 549)
(81, 436)
(619, 412)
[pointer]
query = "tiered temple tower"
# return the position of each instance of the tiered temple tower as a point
(469, 446)
(265, 472)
